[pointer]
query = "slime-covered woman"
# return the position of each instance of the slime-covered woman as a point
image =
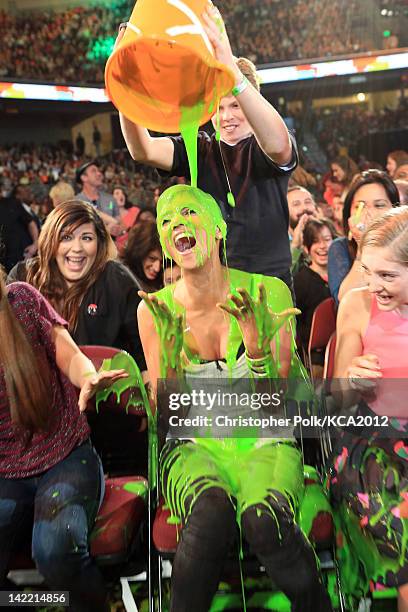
(222, 323)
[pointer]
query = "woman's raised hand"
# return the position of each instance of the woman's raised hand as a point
(169, 327)
(98, 382)
(256, 320)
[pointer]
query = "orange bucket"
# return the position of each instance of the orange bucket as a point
(164, 69)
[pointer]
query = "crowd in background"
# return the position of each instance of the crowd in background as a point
(344, 127)
(43, 166)
(72, 46)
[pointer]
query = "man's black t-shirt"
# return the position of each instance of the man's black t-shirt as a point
(14, 221)
(257, 239)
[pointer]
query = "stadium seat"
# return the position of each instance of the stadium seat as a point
(328, 369)
(323, 325)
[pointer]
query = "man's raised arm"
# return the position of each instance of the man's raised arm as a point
(268, 126)
(156, 152)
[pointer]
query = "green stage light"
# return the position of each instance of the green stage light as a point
(101, 49)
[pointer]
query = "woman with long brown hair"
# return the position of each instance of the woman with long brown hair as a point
(49, 470)
(77, 272)
(143, 255)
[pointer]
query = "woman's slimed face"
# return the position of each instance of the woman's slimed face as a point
(186, 237)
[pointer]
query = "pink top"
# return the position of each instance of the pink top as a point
(387, 337)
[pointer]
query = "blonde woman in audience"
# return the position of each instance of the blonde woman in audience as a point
(369, 474)
(61, 192)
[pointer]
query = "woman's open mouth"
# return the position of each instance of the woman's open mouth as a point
(75, 263)
(184, 242)
(383, 299)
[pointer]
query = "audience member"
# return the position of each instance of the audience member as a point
(344, 169)
(51, 479)
(369, 472)
(80, 145)
(91, 180)
(77, 273)
(301, 206)
(402, 186)
(96, 139)
(394, 159)
(16, 224)
(171, 272)
(128, 215)
(371, 194)
(401, 171)
(311, 281)
(61, 192)
(143, 255)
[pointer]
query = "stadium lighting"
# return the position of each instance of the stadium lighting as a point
(358, 66)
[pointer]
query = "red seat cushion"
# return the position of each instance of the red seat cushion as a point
(120, 515)
(164, 535)
(322, 531)
(119, 518)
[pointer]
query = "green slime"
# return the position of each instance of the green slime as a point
(249, 473)
(359, 557)
(189, 124)
(137, 399)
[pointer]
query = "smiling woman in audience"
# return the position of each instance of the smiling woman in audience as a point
(369, 474)
(76, 271)
(371, 194)
(143, 255)
(310, 282)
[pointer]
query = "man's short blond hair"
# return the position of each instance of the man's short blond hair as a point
(248, 69)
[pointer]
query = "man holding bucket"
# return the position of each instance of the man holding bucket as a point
(247, 170)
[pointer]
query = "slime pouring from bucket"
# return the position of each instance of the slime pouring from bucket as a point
(163, 73)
